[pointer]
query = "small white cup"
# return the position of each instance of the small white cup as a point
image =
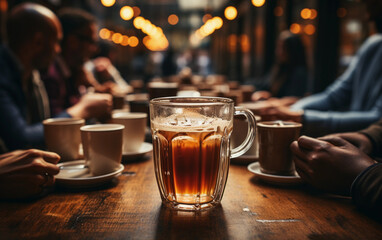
(134, 132)
(102, 144)
(62, 136)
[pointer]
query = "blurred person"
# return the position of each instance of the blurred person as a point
(353, 101)
(289, 75)
(26, 173)
(33, 33)
(33, 40)
(344, 164)
(168, 66)
(101, 68)
(66, 80)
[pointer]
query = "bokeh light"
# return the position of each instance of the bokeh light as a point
(313, 13)
(230, 13)
(305, 13)
(108, 3)
(279, 11)
(295, 28)
(173, 19)
(310, 29)
(133, 41)
(127, 13)
(137, 11)
(104, 33)
(207, 17)
(258, 3)
(125, 40)
(218, 22)
(138, 22)
(116, 38)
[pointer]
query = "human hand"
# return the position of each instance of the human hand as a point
(331, 165)
(24, 173)
(361, 141)
(92, 105)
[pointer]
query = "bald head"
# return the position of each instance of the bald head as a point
(34, 33)
(28, 19)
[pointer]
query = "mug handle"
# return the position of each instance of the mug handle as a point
(247, 143)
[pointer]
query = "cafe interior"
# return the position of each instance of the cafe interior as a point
(179, 119)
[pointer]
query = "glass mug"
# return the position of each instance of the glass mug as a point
(191, 137)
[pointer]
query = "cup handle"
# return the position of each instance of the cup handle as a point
(247, 143)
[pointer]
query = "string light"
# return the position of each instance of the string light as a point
(137, 11)
(108, 3)
(310, 29)
(126, 13)
(279, 11)
(305, 13)
(295, 28)
(173, 19)
(230, 13)
(258, 3)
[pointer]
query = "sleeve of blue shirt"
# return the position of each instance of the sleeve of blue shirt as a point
(327, 112)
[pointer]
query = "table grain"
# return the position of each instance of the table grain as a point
(130, 207)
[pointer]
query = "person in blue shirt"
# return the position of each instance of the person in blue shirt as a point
(353, 101)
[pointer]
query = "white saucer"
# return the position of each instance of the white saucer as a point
(76, 175)
(145, 148)
(274, 179)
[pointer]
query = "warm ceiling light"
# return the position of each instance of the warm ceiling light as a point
(207, 17)
(137, 11)
(173, 19)
(146, 39)
(310, 29)
(104, 33)
(305, 13)
(3, 5)
(125, 40)
(230, 13)
(116, 38)
(295, 28)
(258, 3)
(138, 22)
(127, 13)
(313, 13)
(245, 43)
(279, 11)
(133, 41)
(108, 3)
(218, 22)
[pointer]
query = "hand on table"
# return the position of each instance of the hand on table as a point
(361, 141)
(329, 163)
(92, 105)
(24, 173)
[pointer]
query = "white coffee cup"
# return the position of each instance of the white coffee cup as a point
(135, 128)
(102, 144)
(63, 136)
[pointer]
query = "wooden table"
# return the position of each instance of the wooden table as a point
(130, 208)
